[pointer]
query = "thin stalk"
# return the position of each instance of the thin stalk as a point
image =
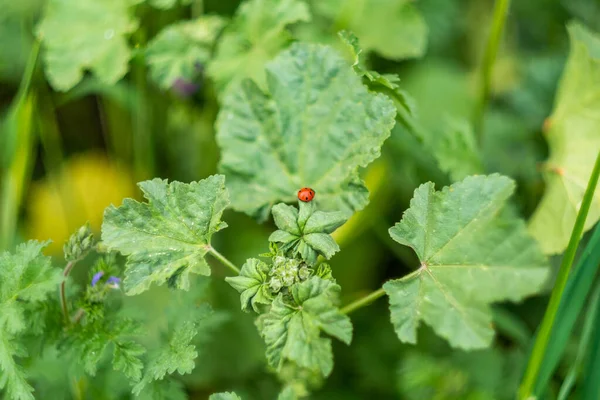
(223, 260)
(63, 296)
(541, 342)
(363, 301)
(16, 146)
(584, 344)
(489, 58)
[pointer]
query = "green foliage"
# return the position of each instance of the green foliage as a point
(256, 34)
(224, 396)
(472, 253)
(331, 126)
(180, 49)
(292, 328)
(79, 243)
(305, 232)
(75, 39)
(26, 279)
(179, 354)
(253, 284)
(89, 341)
(168, 237)
(392, 28)
(456, 150)
(166, 4)
(574, 141)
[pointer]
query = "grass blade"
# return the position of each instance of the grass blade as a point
(543, 336)
(572, 301)
(591, 388)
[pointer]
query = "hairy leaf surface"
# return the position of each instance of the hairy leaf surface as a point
(26, 278)
(86, 35)
(574, 141)
(253, 284)
(292, 331)
(472, 254)
(169, 236)
(392, 28)
(257, 33)
(315, 126)
(181, 49)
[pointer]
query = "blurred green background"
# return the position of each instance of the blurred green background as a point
(68, 155)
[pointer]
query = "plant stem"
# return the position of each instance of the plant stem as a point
(541, 342)
(223, 260)
(63, 297)
(489, 58)
(363, 301)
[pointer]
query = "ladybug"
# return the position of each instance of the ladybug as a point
(306, 194)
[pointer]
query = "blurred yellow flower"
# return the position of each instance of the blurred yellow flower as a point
(87, 184)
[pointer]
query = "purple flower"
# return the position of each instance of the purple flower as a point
(97, 277)
(113, 282)
(184, 87)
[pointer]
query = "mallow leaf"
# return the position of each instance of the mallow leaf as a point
(86, 35)
(292, 328)
(574, 142)
(181, 49)
(26, 278)
(168, 236)
(314, 127)
(305, 231)
(472, 253)
(392, 28)
(253, 284)
(257, 33)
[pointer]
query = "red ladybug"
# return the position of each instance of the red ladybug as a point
(306, 194)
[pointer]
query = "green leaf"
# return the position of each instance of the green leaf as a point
(91, 340)
(392, 28)
(387, 83)
(574, 142)
(257, 33)
(180, 49)
(306, 231)
(292, 329)
(179, 354)
(455, 149)
(253, 284)
(76, 39)
(26, 279)
(224, 396)
(316, 125)
(472, 254)
(169, 235)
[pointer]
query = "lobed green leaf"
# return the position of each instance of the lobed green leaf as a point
(574, 142)
(472, 254)
(168, 236)
(315, 126)
(76, 39)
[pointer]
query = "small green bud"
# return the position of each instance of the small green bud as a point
(79, 243)
(304, 273)
(275, 284)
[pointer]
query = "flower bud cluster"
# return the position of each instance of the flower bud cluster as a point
(287, 271)
(79, 243)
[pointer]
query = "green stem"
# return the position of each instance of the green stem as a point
(363, 301)
(541, 342)
(63, 296)
(489, 58)
(223, 260)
